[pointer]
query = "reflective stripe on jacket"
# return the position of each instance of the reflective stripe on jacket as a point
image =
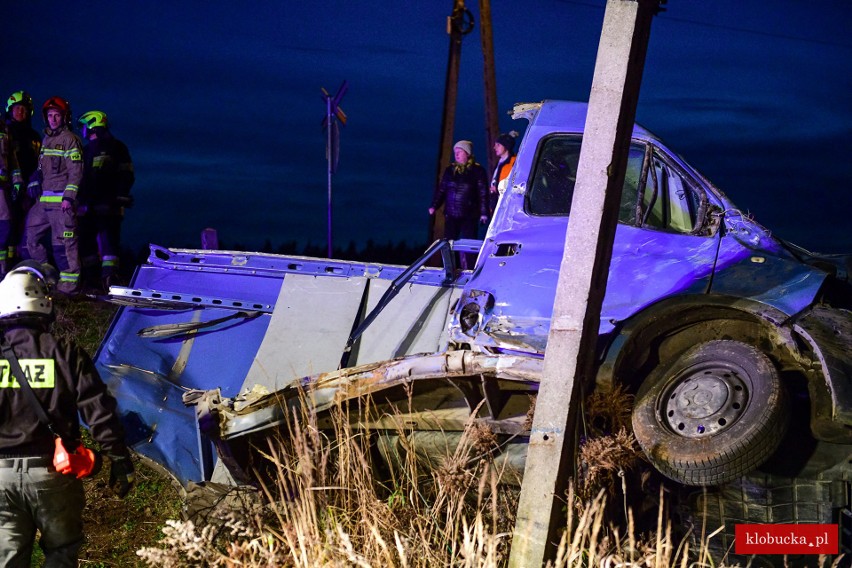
(67, 385)
(61, 165)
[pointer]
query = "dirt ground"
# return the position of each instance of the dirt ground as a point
(116, 528)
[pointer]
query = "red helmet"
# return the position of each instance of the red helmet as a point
(59, 104)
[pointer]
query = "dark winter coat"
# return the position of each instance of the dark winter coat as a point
(463, 191)
(26, 143)
(10, 174)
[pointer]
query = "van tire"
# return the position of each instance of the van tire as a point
(715, 413)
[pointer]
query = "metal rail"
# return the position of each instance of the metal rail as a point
(165, 300)
(445, 247)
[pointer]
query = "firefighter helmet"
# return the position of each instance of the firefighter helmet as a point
(59, 104)
(93, 119)
(24, 292)
(20, 98)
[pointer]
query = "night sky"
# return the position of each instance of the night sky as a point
(220, 104)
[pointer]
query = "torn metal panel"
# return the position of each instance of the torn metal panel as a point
(428, 398)
(828, 333)
(156, 424)
(201, 320)
(308, 329)
(492, 376)
(417, 323)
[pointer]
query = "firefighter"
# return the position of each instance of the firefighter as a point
(105, 194)
(33, 494)
(60, 171)
(26, 144)
(10, 186)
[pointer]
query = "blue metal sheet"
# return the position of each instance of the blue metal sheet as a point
(157, 424)
(149, 376)
(236, 291)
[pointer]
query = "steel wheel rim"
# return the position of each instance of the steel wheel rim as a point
(704, 400)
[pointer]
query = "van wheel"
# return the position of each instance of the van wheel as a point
(715, 413)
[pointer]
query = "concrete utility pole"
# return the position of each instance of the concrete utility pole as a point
(570, 357)
(491, 122)
(459, 24)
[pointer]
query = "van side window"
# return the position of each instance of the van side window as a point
(670, 201)
(552, 187)
(632, 178)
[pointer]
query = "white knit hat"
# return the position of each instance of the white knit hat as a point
(465, 145)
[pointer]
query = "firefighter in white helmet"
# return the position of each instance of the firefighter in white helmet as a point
(67, 387)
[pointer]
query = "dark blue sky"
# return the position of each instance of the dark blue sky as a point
(219, 103)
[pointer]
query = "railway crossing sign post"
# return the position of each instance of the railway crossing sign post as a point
(333, 114)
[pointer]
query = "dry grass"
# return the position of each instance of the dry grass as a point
(610, 410)
(604, 460)
(327, 501)
(323, 499)
(83, 321)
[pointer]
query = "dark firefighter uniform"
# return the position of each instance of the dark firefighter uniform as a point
(32, 493)
(26, 145)
(10, 186)
(105, 193)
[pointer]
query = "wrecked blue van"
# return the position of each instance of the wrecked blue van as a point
(734, 342)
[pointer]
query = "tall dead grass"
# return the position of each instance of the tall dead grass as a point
(327, 499)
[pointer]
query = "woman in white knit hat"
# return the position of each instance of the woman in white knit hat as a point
(463, 192)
